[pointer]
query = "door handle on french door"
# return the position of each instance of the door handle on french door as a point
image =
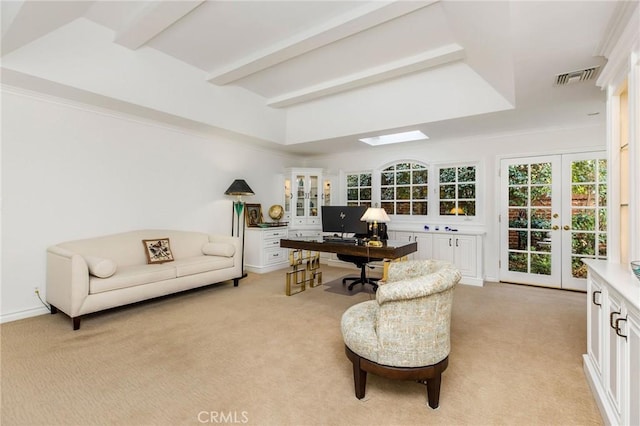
(566, 227)
(555, 227)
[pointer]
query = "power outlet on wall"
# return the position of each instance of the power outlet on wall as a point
(36, 290)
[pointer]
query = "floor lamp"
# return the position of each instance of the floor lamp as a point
(239, 187)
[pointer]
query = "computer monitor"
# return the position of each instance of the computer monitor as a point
(344, 220)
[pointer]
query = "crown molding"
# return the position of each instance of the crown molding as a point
(619, 44)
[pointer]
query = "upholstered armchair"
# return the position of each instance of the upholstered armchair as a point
(404, 333)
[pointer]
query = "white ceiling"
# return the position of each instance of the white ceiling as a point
(312, 76)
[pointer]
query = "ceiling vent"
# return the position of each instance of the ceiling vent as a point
(576, 76)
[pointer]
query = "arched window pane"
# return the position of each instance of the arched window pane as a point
(404, 189)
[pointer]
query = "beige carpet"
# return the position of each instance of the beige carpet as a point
(255, 356)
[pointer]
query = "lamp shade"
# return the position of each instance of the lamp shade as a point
(375, 214)
(456, 210)
(239, 187)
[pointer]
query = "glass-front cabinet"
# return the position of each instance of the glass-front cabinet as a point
(304, 193)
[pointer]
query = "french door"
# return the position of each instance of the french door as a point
(552, 215)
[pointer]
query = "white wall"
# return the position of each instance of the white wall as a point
(487, 151)
(70, 172)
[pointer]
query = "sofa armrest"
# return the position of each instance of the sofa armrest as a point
(67, 280)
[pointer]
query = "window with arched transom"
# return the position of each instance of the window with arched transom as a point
(404, 188)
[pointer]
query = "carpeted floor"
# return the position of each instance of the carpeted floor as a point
(251, 355)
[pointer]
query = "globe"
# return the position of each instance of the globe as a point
(276, 212)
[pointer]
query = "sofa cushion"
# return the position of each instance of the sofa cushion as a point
(219, 249)
(198, 264)
(100, 267)
(130, 276)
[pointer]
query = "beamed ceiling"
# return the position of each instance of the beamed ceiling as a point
(315, 76)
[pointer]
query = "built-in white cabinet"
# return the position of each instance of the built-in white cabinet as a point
(422, 239)
(463, 250)
(612, 361)
(262, 249)
(304, 194)
(633, 331)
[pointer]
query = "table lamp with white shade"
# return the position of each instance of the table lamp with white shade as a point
(375, 215)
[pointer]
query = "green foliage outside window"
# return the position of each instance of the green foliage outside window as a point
(359, 189)
(404, 188)
(457, 189)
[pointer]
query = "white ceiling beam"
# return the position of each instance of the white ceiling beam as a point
(442, 55)
(9, 10)
(152, 20)
(26, 21)
(348, 24)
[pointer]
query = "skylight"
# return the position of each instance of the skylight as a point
(414, 135)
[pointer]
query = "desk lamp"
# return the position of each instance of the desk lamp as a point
(375, 215)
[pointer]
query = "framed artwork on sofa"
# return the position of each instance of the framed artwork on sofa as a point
(253, 215)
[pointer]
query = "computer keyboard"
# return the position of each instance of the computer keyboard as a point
(340, 240)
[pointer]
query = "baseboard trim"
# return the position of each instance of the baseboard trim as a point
(478, 282)
(27, 313)
(598, 392)
(265, 269)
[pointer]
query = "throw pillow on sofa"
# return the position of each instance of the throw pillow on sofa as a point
(100, 267)
(219, 249)
(158, 250)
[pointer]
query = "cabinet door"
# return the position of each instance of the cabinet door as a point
(633, 375)
(443, 247)
(299, 197)
(595, 322)
(425, 243)
(403, 236)
(613, 376)
(313, 200)
(464, 247)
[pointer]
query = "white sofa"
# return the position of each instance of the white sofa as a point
(94, 274)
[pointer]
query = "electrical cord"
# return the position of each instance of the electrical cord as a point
(43, 302)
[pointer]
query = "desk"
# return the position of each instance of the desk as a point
(392, 249)
(298, 275)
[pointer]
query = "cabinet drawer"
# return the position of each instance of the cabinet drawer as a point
(275, 256)
(275, 233)
(271, 243)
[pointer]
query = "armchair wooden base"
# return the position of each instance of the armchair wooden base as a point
(430, 375)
